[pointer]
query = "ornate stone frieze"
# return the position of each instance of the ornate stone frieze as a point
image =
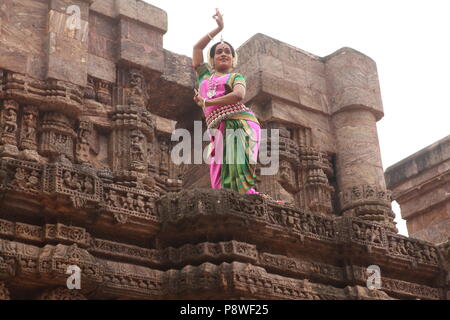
(48, 95)
(124, 251)
(368, 234)
(50, 232)
(124, 202)
(400, 287)
(412, 249)
(368, 202)
(61, 294)
(190, 203)
(23, 176)
(54, 260)
(121, 276)
(66, 234)
(364, 195)
(81, 187)
(301, 267)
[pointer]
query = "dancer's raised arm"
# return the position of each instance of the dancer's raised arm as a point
(197, 56)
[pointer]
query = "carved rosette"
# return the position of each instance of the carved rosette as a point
(369, 202)
(9, 129)
(66, 234)
(57, 137)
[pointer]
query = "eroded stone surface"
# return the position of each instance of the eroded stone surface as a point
(421, 185)
(88, 101)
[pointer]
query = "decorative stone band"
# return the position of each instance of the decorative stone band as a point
(215, 117)
(364, 195)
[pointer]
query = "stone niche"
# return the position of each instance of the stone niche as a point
(89, 99)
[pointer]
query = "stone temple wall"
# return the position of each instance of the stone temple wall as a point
(88, 101)
(421, 185)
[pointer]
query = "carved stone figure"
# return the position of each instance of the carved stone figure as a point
(136, 96)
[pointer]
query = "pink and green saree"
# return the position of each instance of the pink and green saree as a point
(235, 134)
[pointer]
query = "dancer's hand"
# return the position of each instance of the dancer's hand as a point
(219, 19)
(198, 99)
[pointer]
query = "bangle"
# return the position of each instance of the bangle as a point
(211, 38)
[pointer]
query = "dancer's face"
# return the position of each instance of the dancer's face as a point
(223, 58)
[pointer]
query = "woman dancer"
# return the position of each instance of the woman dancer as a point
(236, 144)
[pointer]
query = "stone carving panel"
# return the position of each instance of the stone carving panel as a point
(56, 260)
(23, 176)
(79, 186)
(57, 137)
(415, 250)
(372, 235)
(61, 294)
(9, 129)
(124, 202)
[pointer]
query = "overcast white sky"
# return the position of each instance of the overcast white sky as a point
(409, 40)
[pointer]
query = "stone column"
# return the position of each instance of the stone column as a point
(8, 129)
(28, 134)
(356, 107)
(133, 128)
(57, 137)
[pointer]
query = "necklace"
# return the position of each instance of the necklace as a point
(212, 87)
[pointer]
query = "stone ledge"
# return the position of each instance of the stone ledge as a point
(419, 162)
(133, 9)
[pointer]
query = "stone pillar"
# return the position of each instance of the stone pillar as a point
(133, 128)
(356, 107)
(28, 134)
(83, 141)
(8, 129)
(57, 137)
